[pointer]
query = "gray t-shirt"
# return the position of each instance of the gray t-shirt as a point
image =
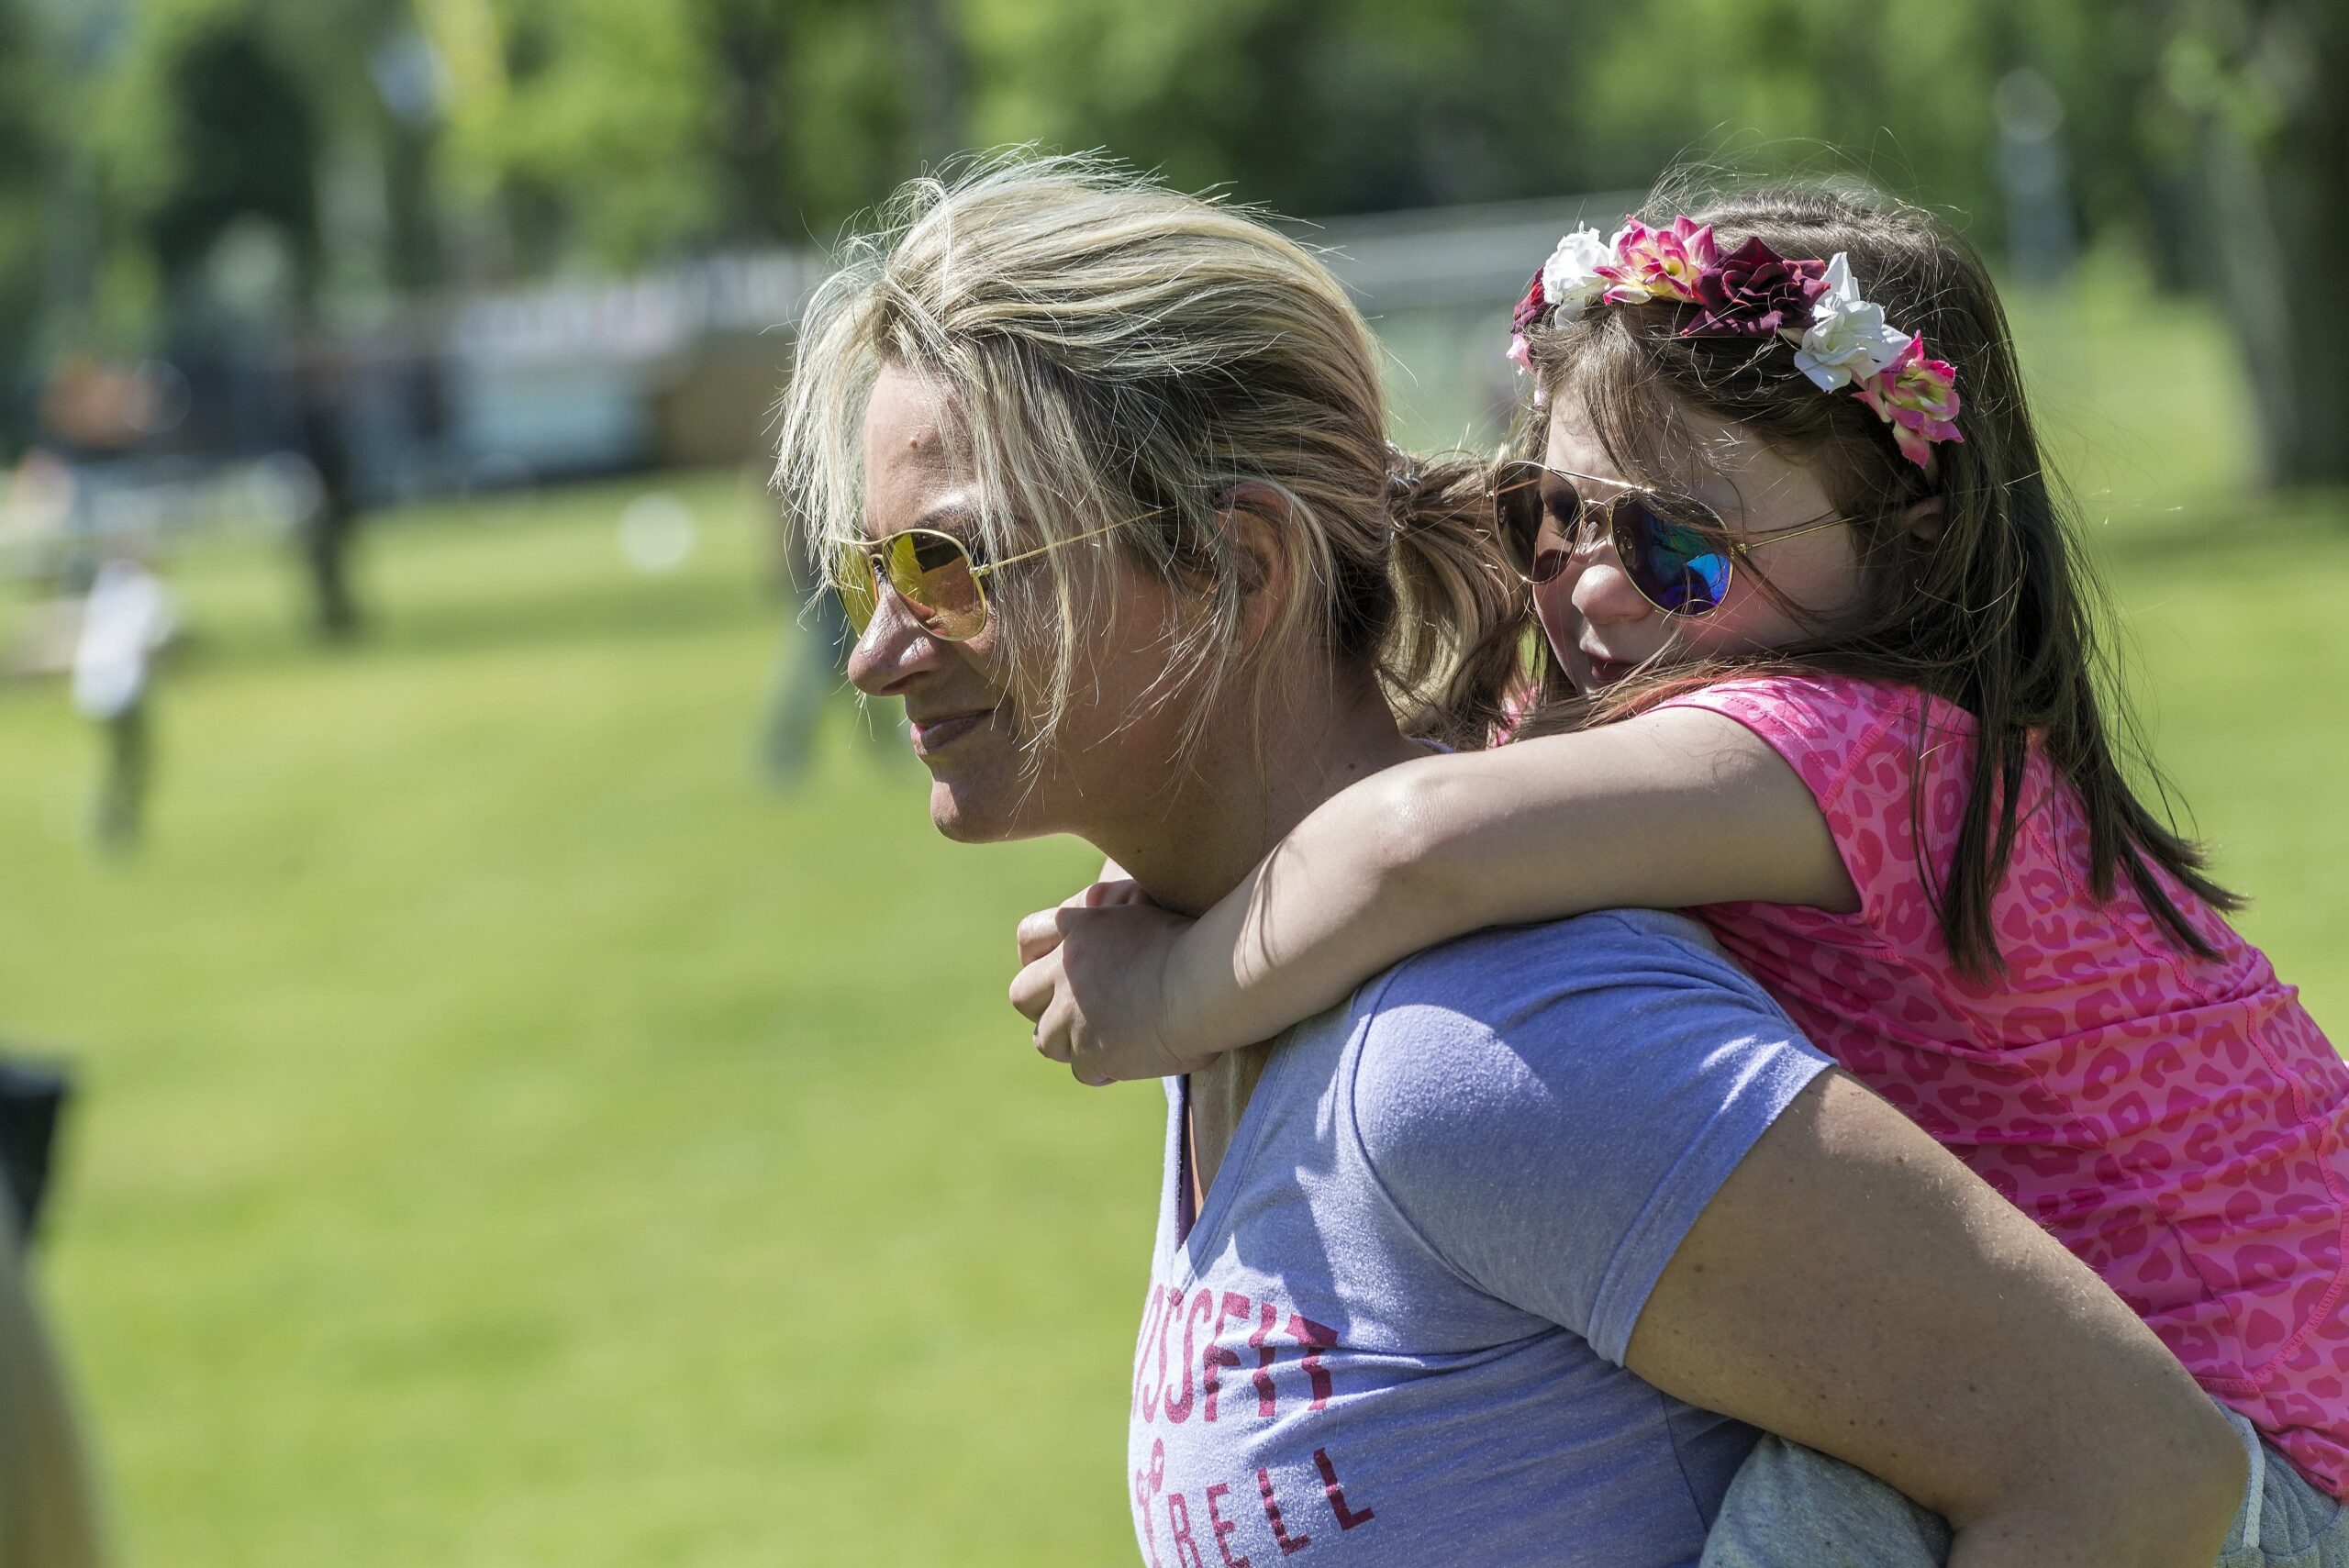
(1395, 1334)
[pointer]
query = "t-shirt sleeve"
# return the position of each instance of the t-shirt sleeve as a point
(1549, 1109)
(1858, 747)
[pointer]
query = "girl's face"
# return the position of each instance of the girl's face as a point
(1600, 627)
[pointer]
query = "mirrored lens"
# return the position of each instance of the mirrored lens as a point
(1519, 510)
(932, 571)
(1676, 555)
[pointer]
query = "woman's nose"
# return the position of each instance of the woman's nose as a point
(892, 650)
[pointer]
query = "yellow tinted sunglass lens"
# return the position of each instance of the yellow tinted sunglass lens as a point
(949, 597)
(853, 580)
(945, 591)
(930, 572)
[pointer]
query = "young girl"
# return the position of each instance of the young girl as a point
(1822, 669)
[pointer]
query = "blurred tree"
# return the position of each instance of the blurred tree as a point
(243, 147)
(204, 122)
(26, 160)
(1311, 106)
(224, 116)
(621, 132)
(749, 41)
(937, 76)
(2259, 84)
(1894, 91)
(399, 143)
(584, 129)
(846, 95)
(377, 91)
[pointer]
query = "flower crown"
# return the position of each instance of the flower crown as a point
(1840, 338)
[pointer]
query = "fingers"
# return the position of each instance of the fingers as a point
(1101, 895)
(1040, 933)
(1063, 1029)
(1036, 991)
(1033, 988)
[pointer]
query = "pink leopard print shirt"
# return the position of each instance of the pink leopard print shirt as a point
(2181, 1125)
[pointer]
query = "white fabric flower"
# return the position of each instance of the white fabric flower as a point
(1847, 341)
(1570, 280)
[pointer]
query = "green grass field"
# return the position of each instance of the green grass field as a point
(511, 1136)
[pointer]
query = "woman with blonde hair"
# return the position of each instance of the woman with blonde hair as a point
(1507, 1257)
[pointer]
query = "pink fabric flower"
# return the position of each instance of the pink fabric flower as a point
(1659, 262)
(1918, 397)
(1753, 291)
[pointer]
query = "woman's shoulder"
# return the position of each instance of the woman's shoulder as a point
(1496, 973)
(1600, 1007)
(1550, 1107)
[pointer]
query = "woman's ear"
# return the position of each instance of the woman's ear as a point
(1254, 520)
(1922, 522)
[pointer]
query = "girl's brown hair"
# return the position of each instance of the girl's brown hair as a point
(1996, 610)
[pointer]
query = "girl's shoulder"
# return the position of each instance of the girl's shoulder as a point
(1840, 732)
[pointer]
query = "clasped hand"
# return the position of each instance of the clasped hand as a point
(1094, 978)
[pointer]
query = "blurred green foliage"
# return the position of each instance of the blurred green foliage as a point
(27, 140)
(614, 131)
(392, 144)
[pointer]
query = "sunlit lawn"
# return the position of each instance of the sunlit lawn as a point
(512, 1136)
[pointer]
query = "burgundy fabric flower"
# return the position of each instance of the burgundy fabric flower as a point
(1753, 291)
(1528, 311)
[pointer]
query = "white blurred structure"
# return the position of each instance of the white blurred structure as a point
(1438, 286)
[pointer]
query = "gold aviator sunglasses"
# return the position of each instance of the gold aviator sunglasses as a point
(934, 574)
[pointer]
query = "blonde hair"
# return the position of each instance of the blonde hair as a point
(1112, 351)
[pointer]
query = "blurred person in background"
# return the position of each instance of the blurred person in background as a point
(126, 620)
(330, 528)
(49, 1516)
(810, 668)
(1508, 1257)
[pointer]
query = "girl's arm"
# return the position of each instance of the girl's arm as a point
(1675, 807)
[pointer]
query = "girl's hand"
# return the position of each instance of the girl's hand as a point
(1094, 981)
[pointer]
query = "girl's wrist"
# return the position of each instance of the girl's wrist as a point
(1200, 994)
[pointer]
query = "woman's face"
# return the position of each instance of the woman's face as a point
(966, 706)
(1596, 621)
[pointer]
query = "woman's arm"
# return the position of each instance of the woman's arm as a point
(1853, 1287)
(1672, 808)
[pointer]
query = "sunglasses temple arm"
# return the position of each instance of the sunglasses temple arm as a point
(1817, 524)
(979, 572)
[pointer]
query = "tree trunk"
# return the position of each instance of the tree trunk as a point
(2276, 165)
(751, 44)
(938, 73)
